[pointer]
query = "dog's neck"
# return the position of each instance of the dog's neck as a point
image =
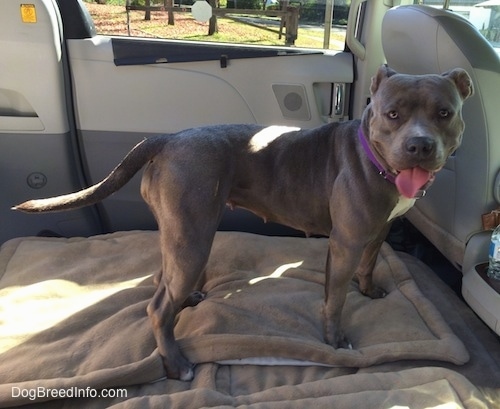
(385, 173)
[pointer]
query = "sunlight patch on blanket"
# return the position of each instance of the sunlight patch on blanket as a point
(277, 273)
(448, 405)
(28, 310)
(229, 295)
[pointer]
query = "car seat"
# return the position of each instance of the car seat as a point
(421, 40)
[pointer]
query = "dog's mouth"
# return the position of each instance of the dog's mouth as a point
(410, 182)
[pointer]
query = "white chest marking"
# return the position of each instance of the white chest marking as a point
(402, 206)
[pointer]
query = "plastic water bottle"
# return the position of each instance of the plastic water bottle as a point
(494, 267)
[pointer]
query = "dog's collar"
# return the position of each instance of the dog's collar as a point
(386, 174)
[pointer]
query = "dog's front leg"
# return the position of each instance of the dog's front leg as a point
(342, 262)
(364, 272)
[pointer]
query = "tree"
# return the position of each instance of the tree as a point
(212, 24)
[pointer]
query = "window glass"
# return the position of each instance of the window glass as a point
(299, 23)
(484, 15)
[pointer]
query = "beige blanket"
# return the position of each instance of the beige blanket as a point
(72, 317)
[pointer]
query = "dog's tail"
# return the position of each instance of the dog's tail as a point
(119, 176)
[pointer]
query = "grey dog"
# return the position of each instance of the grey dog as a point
(347, 181)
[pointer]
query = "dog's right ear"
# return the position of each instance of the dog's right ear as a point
(383, 72)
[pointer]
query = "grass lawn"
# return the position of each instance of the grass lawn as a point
(112, 19)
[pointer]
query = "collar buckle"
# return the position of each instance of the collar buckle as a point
(420, 194)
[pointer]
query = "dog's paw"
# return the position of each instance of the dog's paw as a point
(187, 374)
(341, 343)
(337, 339)
(182, 369)
(374, 292)
(344, 343)
(194, 299)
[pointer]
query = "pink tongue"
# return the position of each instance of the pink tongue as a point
(410, 181)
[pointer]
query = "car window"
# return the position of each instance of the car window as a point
(300, 23)
(484, 15)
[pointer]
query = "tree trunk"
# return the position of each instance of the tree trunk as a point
(212, 24)
(170, 4)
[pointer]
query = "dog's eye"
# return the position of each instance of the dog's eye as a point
(393, 114)
(444, 113)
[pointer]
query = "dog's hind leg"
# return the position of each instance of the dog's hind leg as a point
(186, 189)
(160, 312)
(188, 209)
(185, 252)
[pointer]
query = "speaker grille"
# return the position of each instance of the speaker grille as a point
(292, 100)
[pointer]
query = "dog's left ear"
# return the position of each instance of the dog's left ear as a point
(383, 72)
(462, 80)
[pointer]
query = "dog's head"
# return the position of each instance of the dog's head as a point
(414, 122)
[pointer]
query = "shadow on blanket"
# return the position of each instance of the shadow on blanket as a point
(73, 313)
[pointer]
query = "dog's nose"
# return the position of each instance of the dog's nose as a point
(420, 146)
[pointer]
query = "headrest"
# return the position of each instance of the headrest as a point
(421, 39)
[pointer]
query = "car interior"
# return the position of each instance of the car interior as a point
(75, 99)
(446, 41)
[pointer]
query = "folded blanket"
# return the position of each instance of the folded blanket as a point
(421, 388)
(73, 311)
(274, 289)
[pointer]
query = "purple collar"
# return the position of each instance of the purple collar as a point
(386, 174)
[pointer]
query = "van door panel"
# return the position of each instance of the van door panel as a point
(118, 105)
(38, 156)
